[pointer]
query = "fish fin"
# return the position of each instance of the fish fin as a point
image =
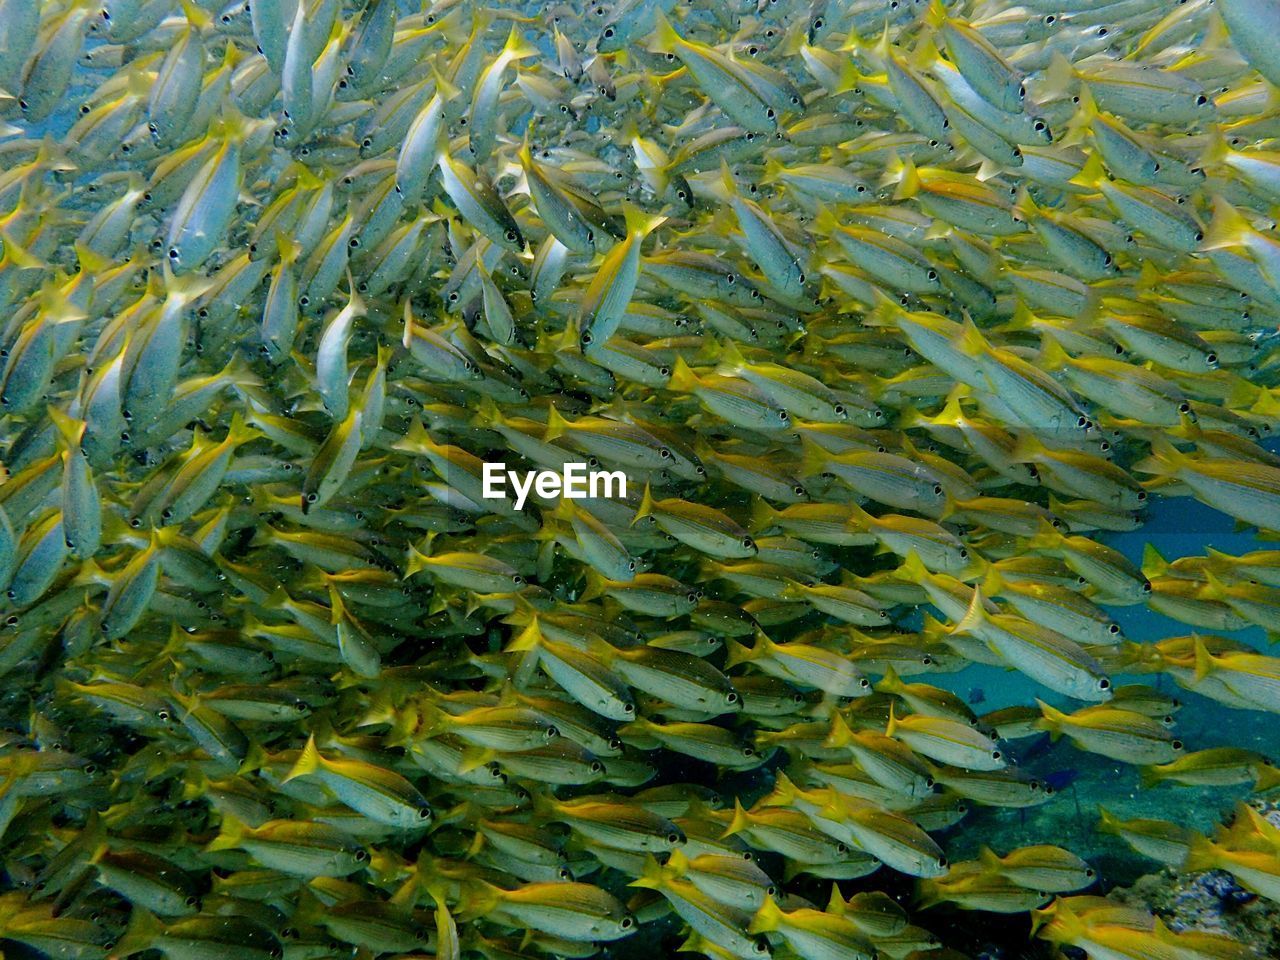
(1227, 227)
(890, 682)
(678, 863)
(1153, 564)
(665, 39)
(1052, 718)
(230, 833)
(1107, 821)
(1201, 855)
(556, 424)
(989, 858)
(1059, 79)
(517, 47)
(308, 762)
(646, 506)
(143, 930)
(1203, 658)
(739, 821)
(595, 587)
(529, 639)
(1165, 460)
(639, 223)
(1052, 356)
(762, 515)
(905, 174)
(70, 430)
(736, 653)
(1215, 152)
(768, 917)
(683, 379)
(841, 735)
(813, 459)
(473, 757)
(975, 616)
(1149, 777)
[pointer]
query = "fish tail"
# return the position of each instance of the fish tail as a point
(665, 39)
(308, 762)
(683, 380)
(767, 918)
(1201, 855)
(646, 506)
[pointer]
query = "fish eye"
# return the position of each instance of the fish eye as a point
(937, 489)
(995, 754)
(608, 33)
(626, 923)
(1201, 100)
(1104, 684)
(1102, 31)
(512, 236)
(629, 707)
(748, 543)
(1177, 744)
(1142, 496)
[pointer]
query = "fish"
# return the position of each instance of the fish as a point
(884, 326)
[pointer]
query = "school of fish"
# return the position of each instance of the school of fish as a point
(889, 312)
